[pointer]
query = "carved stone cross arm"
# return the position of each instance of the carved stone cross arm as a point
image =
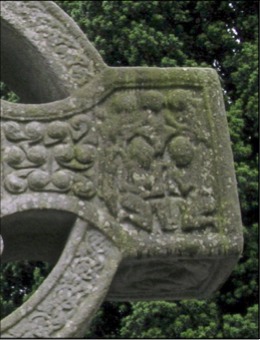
(123, 177)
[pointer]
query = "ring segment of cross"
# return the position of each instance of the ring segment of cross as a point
(121, 177)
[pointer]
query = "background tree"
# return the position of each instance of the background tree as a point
(218, 34)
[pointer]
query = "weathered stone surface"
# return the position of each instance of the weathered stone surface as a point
(130, 176)
(44, 55)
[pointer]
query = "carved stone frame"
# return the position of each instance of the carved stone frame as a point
(127, 260)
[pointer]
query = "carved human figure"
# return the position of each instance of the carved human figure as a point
(123, 163)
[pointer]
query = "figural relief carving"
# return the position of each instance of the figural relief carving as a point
(131, 167)
(142, 145)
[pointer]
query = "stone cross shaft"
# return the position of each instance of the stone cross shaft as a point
(121, 177)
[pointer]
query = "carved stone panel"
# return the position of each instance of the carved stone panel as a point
(122, 177)
(153, 158)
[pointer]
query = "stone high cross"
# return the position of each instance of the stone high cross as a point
(122, 177)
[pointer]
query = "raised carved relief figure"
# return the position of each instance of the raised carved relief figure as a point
(121, 176)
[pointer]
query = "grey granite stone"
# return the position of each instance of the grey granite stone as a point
(122, 177)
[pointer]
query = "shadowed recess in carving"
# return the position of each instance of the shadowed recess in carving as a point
(38, 235)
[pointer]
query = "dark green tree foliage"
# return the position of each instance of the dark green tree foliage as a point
(186, 319)
(18, 282)
(7, 94)
(218, 34)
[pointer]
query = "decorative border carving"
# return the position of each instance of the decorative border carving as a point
(74, 59)
(71, 293)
